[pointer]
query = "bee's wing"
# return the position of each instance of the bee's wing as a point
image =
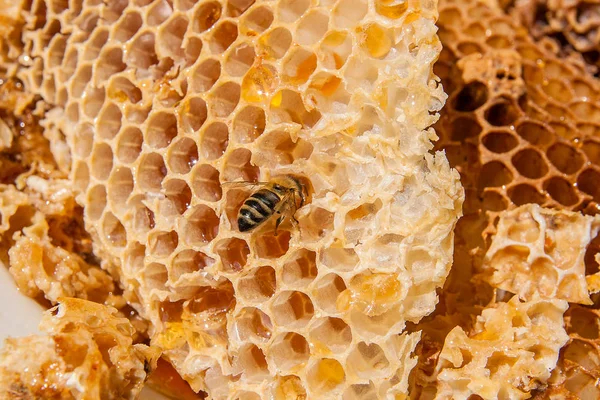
(242, 184)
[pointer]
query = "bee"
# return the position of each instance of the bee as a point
(281, 196)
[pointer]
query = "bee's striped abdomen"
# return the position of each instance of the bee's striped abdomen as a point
(257, 209)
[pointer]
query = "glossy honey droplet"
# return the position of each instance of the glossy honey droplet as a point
(329, 374)
(290, 388)
(259, 83)
(376, 40)
(326, 84)
(371, 294)
(393, 9)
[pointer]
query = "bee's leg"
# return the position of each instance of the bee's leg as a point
(278, 222)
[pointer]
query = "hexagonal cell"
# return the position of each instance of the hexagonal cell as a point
(205, 183)
(233, 253)
(240, 59)
(93, 101)
(224, 99)
(56, 51)
(96, 202)
(362, 391)
(120, 186)
(259, 83)
(589, 182)
(494, 174)
(141, 52)
(201, 226)
(499, 142)
(335, 49)
(301, 269)
(205, 75)
(214, 140)
(338, 258)
(292, 10)
(159, 12)
(258, 285)
(524, 194)
(312, 27)
(326, 292)
(188, 262)
(289, 350)
(565, 158)
(326, 375)
(348, 12)
(192, 50)
(299, 65)
(80, 80)
(494, 201)
(155, 276)
(561, 191)
(534, 133)
(178, 197)
(252, 363)
(127, 26)
(367, 360)
(292, 309)
(258, 20)
(530, 163)
(316, 223)
(109, 63)
(269, 245)
(129, 144)
(182, 155)
(224, 34)
(287, 106)
(133, 260)
(113, 230)
(162, 244)
(471, 97)
(121, 89)
(376, 40)
(95, 43)
(591, 149)
(278, 148)
(206, 15)
(252, 325)
(83, 140)
(170, 311)
(333, 333)
(248, 124)
(81, 176)
(162, 128)
(463, 128)
(276, 42)
(238, 167)
(151, 172)
(502, 113)
(143, 217)
(101, 161)
(109, 121)
(193, 114)
(170, 37)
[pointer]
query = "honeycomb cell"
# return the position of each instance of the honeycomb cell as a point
(253, 363)
(224, 99)
(151, 172)
(128, 25)
(333, 334)
(162, 128)
(121, 89)
(341, 259)
(367, 359)
(235, 8)
(238, 166)
(240, 59)
(252, 325)
(206, 74)
(182, 155)
(206, 16)
(129, 144)
(233, 254)
(81, 176)
(96, 202)
(57, 51)
(292, 309)
(524, 193)
(591, 149)
(561, 191)
(494, 174)
(292, 10)
(299, 65)
(114, 231)
(534, 133)
(178, 197)
(502, 113)
(83, 140)
(289, 350)
(249, 123)
(80, 80)
(499, 142)
(287, 106)
(214, 141)
(326, 292)
(171, 36)
(258, 20)
(301, 269)
(271, 245)
(316, 223)
(92, 103)
(110, 63)
(258, 285)
(589, 182)
(95, 44)
(159, 12)
(101, 161)
(464, 128)
(205, 183)
(325, 375)
(142, 53)
(530, 164)
(188, 262)
(348, 12)
(376, 40)
(201, 226)
(120, 186)
(335, 49)
(163, 244)
(312, 27)
(259, 84)
(565, 158)
(192, 50)
(279, 148)
(276, 42)
(224, 34)
(471, 97)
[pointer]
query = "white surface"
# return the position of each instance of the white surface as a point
(20, 316)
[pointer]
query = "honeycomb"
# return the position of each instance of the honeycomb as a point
(512, 350)
(538, 252)
(160, 103)
(87, 354)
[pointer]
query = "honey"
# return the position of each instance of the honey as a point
(393, 9)
(329, 374)
(259, 83)
(376, 40)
